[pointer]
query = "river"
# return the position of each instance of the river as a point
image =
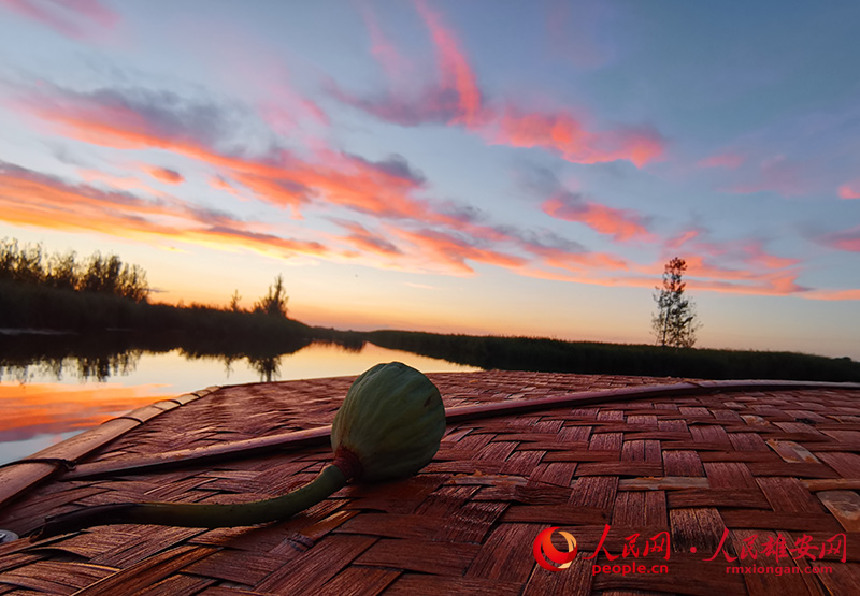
(44, 401)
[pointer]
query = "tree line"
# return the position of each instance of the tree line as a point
(104, 274)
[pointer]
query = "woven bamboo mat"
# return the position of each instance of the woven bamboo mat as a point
(754, 475)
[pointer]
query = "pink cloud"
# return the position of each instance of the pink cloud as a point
(448, 239)
(563, 134)
(756, 255)
(736, 266)
(682, 238)
(744, 259)
(393, 62)
(848, 240)
(730, 161)
(453, 251)
(456, 99)
(77, 19)
(455, 70)
(111, 119)
(623, 225)
(850, 191)
(367, 241)
(453, 99)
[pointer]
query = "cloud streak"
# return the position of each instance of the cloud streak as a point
(849, 191)
(33, 199)
(567, 136)
(847, 240)
(76, 19)
(420, 234)
(135, 119)
(623, 225)
(456, 99)
(743, 266)
(165, 175)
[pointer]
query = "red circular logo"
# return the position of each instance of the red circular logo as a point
(561, 559)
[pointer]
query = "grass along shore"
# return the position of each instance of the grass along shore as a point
(553, 355)
(206, 329)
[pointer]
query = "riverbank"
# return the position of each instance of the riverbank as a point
(105, 325)
(553, 355)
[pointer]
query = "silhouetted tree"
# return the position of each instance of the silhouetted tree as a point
(132, 283)
(61, 271)
(274, 303)
(236, 302)
(109, 275)
(675, 324)
(21, 264)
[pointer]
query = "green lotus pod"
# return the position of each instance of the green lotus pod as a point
(392, 421)
(390, 426)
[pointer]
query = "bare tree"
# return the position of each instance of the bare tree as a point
(675, 324)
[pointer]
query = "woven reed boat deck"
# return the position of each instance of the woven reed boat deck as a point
(762, 463)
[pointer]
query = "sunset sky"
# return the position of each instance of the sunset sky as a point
(477, 167)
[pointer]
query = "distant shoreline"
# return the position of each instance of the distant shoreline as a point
(259, 339)
(35, 332)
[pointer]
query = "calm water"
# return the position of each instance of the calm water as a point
(43, 402)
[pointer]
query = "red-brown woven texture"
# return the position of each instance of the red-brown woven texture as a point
(767, 465)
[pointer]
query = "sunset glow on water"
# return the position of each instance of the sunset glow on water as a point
(43, 410)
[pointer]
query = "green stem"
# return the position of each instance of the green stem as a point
(197, 515)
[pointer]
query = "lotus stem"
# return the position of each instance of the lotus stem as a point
(199, 515)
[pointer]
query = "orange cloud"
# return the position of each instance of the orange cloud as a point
(562, 133)
(624, 225)
(165, 175)
(453, 252)
(108, 119)
(367, 241)
(118, 182)
(594, 263)
(833, 295)
(29, 198)
(384, 189)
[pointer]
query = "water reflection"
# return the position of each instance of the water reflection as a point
(24, 358)
(85, 367)
(51, 389)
